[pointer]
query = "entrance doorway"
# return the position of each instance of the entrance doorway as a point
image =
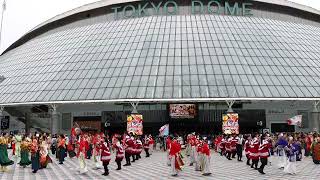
(281, 127)
(90, 124)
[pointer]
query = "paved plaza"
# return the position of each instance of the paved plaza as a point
(155, 168)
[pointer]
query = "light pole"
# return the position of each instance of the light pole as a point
(1, 116)
(4, 6)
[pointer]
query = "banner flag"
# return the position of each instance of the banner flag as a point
(296, 120)
(135, 124)
(164, 130)
(230, 123)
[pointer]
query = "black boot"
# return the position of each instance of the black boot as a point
(261, 171)
(119, 165)
(106, 171)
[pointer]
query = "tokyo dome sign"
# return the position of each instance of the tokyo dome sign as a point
(172, 7)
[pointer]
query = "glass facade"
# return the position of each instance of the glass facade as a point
(170, 57)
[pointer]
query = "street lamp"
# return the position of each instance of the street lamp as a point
(4, 7)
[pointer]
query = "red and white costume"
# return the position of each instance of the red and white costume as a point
(97, 142)
(151, 144)
(146, 143)
(119, 151)
(105, 153)
(174, 156)
(128, 145)
(222, 145)
(247, 147)
(81, 154)
(193, 151)
(264, 149)
(233, 145)
(254, 149)
(138, 147)
(228, 145)
(198, 155)
(205, 151)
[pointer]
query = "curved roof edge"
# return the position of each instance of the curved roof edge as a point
(160, 100)
(103, 3)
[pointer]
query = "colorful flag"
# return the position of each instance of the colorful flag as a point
(164, 130)
(296, 120)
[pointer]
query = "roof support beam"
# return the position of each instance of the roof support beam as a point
(159, 101)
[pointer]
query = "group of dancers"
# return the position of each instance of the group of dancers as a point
(35, 149)
(288, 150)
(197, 149)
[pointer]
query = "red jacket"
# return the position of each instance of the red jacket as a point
(193, 141)
(206, 149)
(82, 146)
(151, 141)
(199, 147)
(175, 148)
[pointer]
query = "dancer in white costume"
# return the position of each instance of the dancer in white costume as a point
(18, 139)
(193, 150)
(97, 151)
(282, 142)
(290, 167)
(198, 155)
(81, 154)
(205, 151)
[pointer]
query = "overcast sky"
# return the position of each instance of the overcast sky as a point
(22, 15)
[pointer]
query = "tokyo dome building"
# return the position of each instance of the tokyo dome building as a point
(180, 62)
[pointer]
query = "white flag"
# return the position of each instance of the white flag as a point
(296, 120)
(164, 130)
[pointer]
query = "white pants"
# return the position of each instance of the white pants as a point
(168, 158)
(281, 161)
(193, 154)
(82, 163)
(97, 162)
(206, 164)
(198, 161)
(174, 171)
(290, 167)
(188, 149)
(150, 148)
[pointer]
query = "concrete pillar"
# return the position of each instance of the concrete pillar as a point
(315, 121)
(315, 118)
(54, 124)
(27, 123)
